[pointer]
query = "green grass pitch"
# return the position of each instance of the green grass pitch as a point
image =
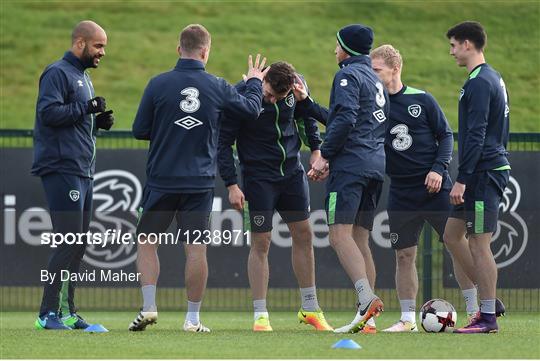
(142, 38)
(231, 337)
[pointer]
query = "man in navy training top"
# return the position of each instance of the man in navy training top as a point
(354, 150)
(418, 149)
(274, 179)
(483, 171)
(179, 114)
(68, 115)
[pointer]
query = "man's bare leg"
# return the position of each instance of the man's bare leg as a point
(462, 260)
(196, 275)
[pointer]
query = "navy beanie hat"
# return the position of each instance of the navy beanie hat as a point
(355, 39)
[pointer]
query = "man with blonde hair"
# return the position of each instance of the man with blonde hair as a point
(179, 114)
(418, 147)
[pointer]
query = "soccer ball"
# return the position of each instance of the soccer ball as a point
(438, 316)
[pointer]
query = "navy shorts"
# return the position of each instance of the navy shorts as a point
(352, 199)
(410, 207)
(288, 196)
(158, 209)
(483, 193)
(69, 198)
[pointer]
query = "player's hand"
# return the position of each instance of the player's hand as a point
(319, 170)
(315, 155)
(96, 105)
(105, 120)
(256, 70)
(456, 194)
(433, 182)
(299, 90)
(236, 197)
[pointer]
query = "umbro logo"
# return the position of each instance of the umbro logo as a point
(188, 122)
(379, 115)
(79, 83)
(415, 110)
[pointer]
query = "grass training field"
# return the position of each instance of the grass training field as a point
(142, 38)
(231, 337)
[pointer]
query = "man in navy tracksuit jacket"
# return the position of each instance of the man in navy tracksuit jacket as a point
(274, 179)
(179, 114)
(64, 157)
(354, 149)
(418, 149)
(483, 171)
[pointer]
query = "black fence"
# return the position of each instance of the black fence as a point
(518, 282)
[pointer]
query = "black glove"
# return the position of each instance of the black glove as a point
(96, 105)
(105, 120)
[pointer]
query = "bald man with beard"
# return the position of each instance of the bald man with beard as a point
(68, 114)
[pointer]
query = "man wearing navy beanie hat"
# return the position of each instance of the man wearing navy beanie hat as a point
(354, 161)
(355, 39)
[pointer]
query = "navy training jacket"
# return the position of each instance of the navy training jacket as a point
(355, 128)
(484, 123)
(64, 134)
(180, 114)
(268, 147)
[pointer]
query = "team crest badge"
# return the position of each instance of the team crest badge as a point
(394, 238)
(415, 110)
(289, 100)
(461, 92)
(74, 195)
(258, 220)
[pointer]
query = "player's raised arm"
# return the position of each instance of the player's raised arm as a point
(307, 126)
(306, 107)
(248, 104)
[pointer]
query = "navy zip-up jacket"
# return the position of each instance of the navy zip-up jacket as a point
(418, 138)
(355, 128)
(180, 114)
(268, 147)
(64, 134)
(484, 118)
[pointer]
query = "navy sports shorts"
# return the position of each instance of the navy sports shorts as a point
(69, 198)
(351, 199)
(158, 209)
(410, 207)
(483, 193)
(289, 196)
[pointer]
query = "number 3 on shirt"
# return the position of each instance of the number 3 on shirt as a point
(403, 140)
(191, 104)
(379, 98)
